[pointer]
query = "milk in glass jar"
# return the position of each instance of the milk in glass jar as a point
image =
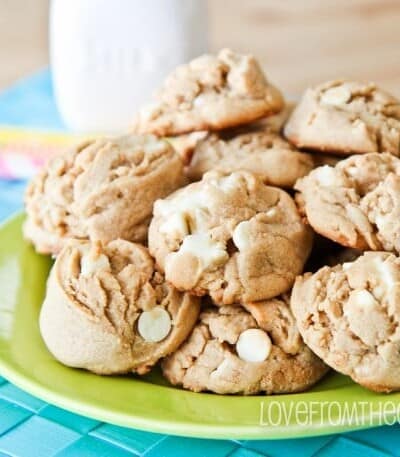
(108, 56)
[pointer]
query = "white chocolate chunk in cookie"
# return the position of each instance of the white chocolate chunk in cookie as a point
(385, 275)
(176, 225)
(182, 215)
(154, 325)
(326, 175)
(271, 212)
(225, 183)
(365, 318)
(336, 96)
(362, 298)
(209, 252)
(182, 204)
(253, 345)
(241, 236)
(92, 262)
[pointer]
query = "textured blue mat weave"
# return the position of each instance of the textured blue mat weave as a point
(30, 427)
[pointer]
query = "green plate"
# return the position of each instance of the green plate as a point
(334, 405)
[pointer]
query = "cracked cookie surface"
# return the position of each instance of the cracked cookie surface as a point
(356, 202)
(102, 190)
(346, 117)
(232, 351)
(349, 316)
(210, 93)
(259, 151)
(109, 311)
(230, 236)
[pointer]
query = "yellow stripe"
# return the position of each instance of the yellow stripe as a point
(23, 136)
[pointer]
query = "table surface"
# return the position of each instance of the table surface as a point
(30, 427)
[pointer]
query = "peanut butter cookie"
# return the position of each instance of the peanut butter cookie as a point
(356, 202)
(210, 93)
(186, 144)
(349, 315)
(346, 117)
(109, 311)
(232, 351)
(260, 151)
(230, 236)
(102, 190)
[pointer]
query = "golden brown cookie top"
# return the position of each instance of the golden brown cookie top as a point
(355, 203)
(113, 292)
(349, 316)
(346, 117)
(89, 191)
(232, 350)
(231, 236)
(260, 151)
(185, 144)
(210, 93)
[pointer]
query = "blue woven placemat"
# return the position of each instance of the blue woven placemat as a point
(30, 427)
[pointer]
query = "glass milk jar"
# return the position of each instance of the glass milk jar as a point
(108, 56)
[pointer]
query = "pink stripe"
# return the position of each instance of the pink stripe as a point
(4, 171)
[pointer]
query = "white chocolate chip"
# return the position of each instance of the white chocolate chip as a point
(362, 298)
(91, 263)
(271, 212)
(352, 171)
(336, 96)
(182, 203)
(253, 345)
(208, 251)
(225, 183)
(182, 214)
(365, 317)
(154, 325)
(176, 226)
(241, 236)
(199, 101)
(325, 175)
(385, 275)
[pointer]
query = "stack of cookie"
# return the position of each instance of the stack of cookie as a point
(349, 313)
(182, 241)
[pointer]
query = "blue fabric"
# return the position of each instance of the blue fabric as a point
(30, 103)
(30, 427)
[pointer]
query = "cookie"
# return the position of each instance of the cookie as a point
(186, 144)
(109, 311)
(210, 93)
(356, 202)
(232, 351)
(346, 117)
(102, 190)
(230, 236)
(349, 315)
(260, 151)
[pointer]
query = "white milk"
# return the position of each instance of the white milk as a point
(108, 56)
